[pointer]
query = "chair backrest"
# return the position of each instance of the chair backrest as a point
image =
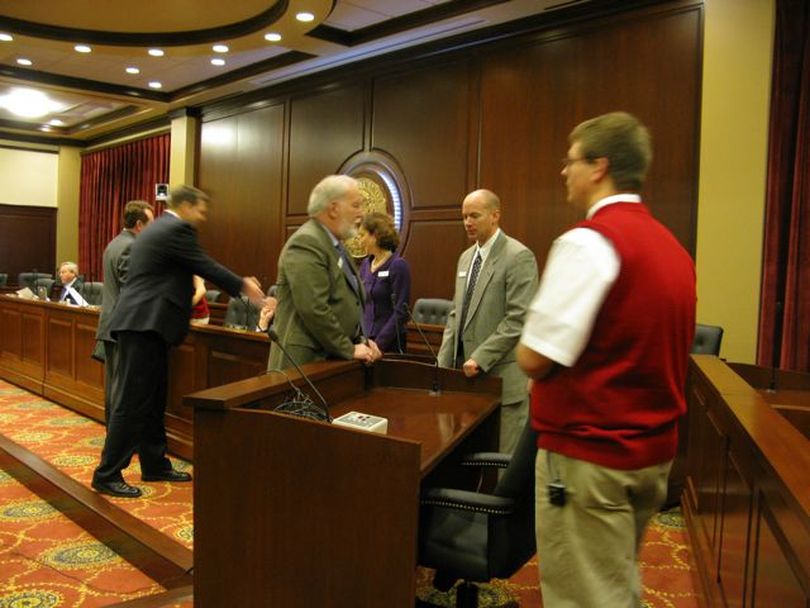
(707, 339)
(46, 285)
(212, 295)
(91, 292)
(432, 310)
(241, 314)
(3, 279)
(32, 280)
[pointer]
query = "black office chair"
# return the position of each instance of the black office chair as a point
(476, 537)
(707, 339)
(432, 310)
(91, 292)
(3, 279)
(28, 279)
(241, 314)
(212, 295)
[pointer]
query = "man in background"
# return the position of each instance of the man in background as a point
(151, 316)
(495, 281)
(71, 285)
(115, 263)
(606, 339)
(320, 295)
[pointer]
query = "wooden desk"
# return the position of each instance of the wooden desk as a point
(747, 496)
(321, 515)
(45, 347)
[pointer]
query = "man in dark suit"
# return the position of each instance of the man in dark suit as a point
(137, 215)
(495, 281)
(69, 288)
(152, 314)
(320, 295)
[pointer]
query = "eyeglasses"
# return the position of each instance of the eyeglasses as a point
(567, 162)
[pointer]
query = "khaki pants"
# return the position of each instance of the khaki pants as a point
(587, 549)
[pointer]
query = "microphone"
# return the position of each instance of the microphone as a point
(435, 389)
(323, 411)
(396, 323)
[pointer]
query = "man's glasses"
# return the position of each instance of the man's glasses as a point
(567, 162)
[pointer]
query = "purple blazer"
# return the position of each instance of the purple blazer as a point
(388, 290)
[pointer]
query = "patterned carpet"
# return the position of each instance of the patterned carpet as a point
(47, 561)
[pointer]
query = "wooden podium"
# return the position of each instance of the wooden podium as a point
(296, 513)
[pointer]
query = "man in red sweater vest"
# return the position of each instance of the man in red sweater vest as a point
(606, 341)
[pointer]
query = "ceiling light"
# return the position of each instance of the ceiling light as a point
(220, 48)
(133, 70)
(45, 128)
(56, 122)
(82, 48)
(24, 61)
(6, 37)
(29, 103)
(272, 37)
(217, 61)
(155, 84)
(156, 52)
(305, 17)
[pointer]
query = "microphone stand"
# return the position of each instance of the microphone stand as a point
(436, 389)
(396, 323)
(271, 333)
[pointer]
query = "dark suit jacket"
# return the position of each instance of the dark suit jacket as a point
(388, 291)
(157, 294)
(56, 290)
(114, 265)
(318, 314)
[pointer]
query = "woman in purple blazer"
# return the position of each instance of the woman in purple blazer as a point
(387, 279)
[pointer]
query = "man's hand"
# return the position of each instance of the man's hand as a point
(471, 368)
(253, 290)
(375, 350)
(364, 353)
(267, 312)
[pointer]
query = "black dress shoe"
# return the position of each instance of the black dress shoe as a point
(116, 488)
(170, 475)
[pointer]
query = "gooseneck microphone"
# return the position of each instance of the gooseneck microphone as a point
(435, 389)
(400, 350)
(271, 333)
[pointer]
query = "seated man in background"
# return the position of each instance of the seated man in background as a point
(69, 292)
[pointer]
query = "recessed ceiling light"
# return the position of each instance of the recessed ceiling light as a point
(156, 52)
(155, 84)
(220, 48)
(133, 70)
(272, 37)
(24, 61)
(82, 48)
(29, 103)
(305, 17)
(56, 122)
(6, 37)
(217, 61)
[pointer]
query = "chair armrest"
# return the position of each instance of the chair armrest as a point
(467, 501)
(487, 459)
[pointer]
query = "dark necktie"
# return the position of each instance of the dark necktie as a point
(347, 266)
(64, 294)
(476, 267)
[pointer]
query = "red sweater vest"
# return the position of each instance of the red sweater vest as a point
(618, 405)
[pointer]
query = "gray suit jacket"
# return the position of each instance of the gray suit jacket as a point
(114, 265)
(506, 284)
(318, 313)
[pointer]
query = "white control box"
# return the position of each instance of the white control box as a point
(363, 422)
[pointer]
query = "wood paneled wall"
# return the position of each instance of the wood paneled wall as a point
(27, 240)
(494, 114)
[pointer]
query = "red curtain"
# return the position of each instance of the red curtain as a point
(109, 180)
(784, 327)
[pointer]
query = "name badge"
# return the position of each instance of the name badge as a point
(462, 274)
(340, 263)
(382, 274)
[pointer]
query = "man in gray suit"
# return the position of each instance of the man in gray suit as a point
(137, 215)
(495, 281)
(320, 295)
